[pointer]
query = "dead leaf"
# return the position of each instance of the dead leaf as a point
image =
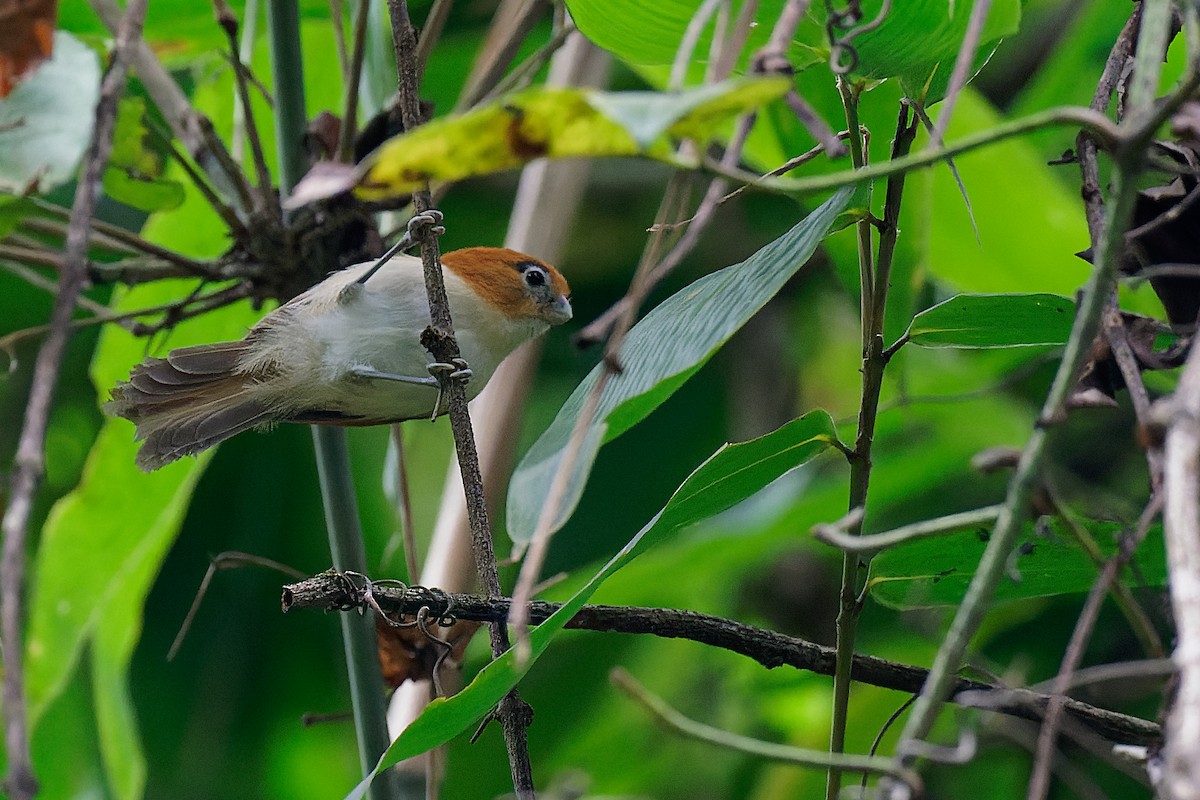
(26, 38)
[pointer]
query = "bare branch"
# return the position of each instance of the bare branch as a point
(514, 715)
(328, 591)
(29, 466)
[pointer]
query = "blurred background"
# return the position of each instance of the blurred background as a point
(223, 720)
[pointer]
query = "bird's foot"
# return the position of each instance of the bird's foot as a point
(443, 373)
(363, 371)
(430, 219)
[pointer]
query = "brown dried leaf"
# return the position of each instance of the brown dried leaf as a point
(26, 38)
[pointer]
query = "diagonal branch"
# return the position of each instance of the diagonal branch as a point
(20, 782)
(513, 714)
(329, 591)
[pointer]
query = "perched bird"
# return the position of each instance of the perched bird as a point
(345, 352)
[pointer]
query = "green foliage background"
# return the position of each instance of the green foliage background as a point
(223, 720)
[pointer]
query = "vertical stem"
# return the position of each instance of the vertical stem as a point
(20, 783)
(287, 71)
(1020, 490)
(874, 282)
(1129, 150)
(358, 631)
(333, 459)
(513, 714)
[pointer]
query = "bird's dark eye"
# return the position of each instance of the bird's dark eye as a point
(535, 276)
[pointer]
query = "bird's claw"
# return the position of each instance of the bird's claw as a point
(456, 370)
(431, 219)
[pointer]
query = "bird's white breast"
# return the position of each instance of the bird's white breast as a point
(339, 325)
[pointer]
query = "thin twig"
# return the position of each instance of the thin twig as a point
(130, 271)
(226, 560)
(345, 146)
(512, 713)
(49, 227)
(873, 543)
(548, 195)
(174, 312)
(1095, 123)
(687, 44)
(193, 306)
(339, 38)
(404, 508)
(245, 53)
(875, 281)
(963, 63)
(514, 20)
(1181, 518)
(1087, 323)
(190, 126)
(226, 212)
(34, 278)
(131, 240)
(1118, 341)
(431, 31)
(1039, 782)
(1114, 326)
(265, 200)
(732, 45)
(525, 71)
(29, 464)
(645, 279)
(796, 756)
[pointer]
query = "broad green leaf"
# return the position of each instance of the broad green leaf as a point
(46, 122)
(920, 39)
(661, 352)
(135, 173)
(555, 123)
(732, 474)
(100, 550)
(917, 40)
(937, 571)
(102, 546)
(1029, 230)
(650, 33)
(983, 321)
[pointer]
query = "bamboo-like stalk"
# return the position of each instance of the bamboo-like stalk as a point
(333, 459)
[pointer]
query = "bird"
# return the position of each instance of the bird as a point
(345, 352)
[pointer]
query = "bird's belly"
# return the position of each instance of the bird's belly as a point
(373, 400)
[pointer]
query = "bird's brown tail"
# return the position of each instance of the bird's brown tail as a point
(187, 402)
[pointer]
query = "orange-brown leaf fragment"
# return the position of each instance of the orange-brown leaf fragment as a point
(26, 38)
(407, 654)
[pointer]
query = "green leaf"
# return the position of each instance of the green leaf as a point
(555, 123)
(650, 33)
(102, 547)
(984, 321)
(140, 190)
(937, 571)
(100, 550)
(921, 38)
(659, 354)
(135, 173)
(46, 122)
(732, 474)
(1028, 234)
(917, 40)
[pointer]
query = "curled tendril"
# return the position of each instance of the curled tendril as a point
(843, 56)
